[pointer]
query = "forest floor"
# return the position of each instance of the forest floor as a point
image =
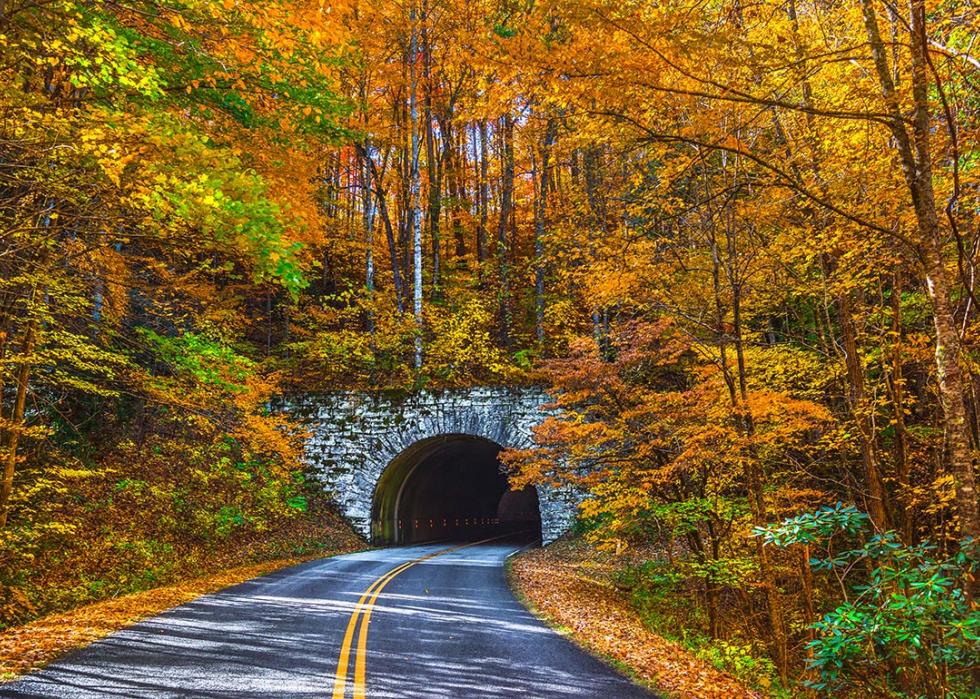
(569, 585)
(30, 646)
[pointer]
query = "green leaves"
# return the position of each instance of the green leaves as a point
(910, 610)
(298, 503)
(157, 161)
(912, 613)
(812, 527)
(206, 361)
(104, 56)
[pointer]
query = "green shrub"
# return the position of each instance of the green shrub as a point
(906, 626)
(741, 660)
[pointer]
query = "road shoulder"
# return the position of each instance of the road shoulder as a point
(567, 590)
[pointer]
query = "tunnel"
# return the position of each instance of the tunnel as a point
(451, 488)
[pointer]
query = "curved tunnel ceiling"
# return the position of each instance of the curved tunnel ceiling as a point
(451, 488)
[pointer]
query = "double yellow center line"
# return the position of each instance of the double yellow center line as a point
(362, 612)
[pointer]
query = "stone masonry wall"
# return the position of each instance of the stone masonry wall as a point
(354, 436)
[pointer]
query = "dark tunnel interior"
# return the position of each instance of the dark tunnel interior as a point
(451, 488)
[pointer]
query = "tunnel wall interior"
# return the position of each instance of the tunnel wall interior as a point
(451, 488)
(354, 436)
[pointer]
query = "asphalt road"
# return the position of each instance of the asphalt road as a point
(446, 625)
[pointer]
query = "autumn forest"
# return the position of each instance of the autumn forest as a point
(737, 243)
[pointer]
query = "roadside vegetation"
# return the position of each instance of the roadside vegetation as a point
(156, 194)
(738, 243)
(35, 644)
(578, 590)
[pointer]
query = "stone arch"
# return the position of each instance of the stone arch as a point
(354, 436)
(451, 487)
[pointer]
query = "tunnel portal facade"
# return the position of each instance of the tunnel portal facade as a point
(423, 466)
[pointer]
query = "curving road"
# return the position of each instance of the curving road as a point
(418, 621)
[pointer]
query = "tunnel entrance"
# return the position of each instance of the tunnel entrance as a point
(451, 488)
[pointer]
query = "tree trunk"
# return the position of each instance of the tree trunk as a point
(415, 185)
(368, 222)
(917, 167)
(483, 197)
(506, 212)
(757, 503)
(592, 177)
(876, 496)
(897, 386)
(382, 203)
(744, 423)
(449, 160)
(540, 226)
(405, 169)
(432, 164)
(16, 425)
(950, 377)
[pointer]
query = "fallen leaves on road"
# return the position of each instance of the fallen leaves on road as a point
(33, 645)
(568, 586)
